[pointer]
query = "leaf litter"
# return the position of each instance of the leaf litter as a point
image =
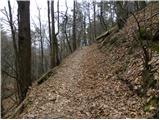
(84, 86)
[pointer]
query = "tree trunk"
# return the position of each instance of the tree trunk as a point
(121, 14)
(103, 24)
(53, 42)
(57, 49)
(112, 14)
(65, 25)
(90, 26)
(94, 15)
(84, 31)
(24, 48)
(49, 30)
(14, 43)
(74, 26)
(41, 41)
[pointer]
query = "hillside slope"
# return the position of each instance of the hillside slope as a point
(83, 87)
(126, 54)
(104, 80)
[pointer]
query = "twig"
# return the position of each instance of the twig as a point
(9, 74)
(18, 109)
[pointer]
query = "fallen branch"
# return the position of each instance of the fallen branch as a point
(39, 81)
(46, 76)
(18, 109)
(7, 113)
(8, 96)
(112, 30)
(103, 35)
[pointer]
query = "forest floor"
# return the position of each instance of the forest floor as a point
(83, 88)
(103, 80)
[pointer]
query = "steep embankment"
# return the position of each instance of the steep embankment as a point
(126, 55)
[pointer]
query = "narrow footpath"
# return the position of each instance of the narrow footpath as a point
(83, 87)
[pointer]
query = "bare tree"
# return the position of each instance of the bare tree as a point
(74, 26)
(49, 30)
(94, 15)
(24, 48)
(53, 42)
(65, 25)
(56, 40)
(84, 29)
(41, 40)
(12, 28)
(103, 24)
(90, 26)
(14, 39)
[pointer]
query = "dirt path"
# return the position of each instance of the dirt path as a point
(83, 88)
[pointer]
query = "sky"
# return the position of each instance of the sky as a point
(42, 4)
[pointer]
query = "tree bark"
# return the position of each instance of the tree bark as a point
(14, 45)
(121, 14)
(103, 24)
(41, 40)
(74, 26)
(57, 49)
(94, 15)
(84, 31)
(49, 30)
(24, 48)
(53, 42)
(65, 31)
(90, 25)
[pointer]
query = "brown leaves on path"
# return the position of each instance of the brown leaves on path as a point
(83, 87)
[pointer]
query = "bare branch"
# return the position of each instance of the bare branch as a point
(9, 65)
(3, 71)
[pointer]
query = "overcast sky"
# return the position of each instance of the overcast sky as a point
(33, 9)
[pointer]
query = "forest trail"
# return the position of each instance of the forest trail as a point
(83, 88)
